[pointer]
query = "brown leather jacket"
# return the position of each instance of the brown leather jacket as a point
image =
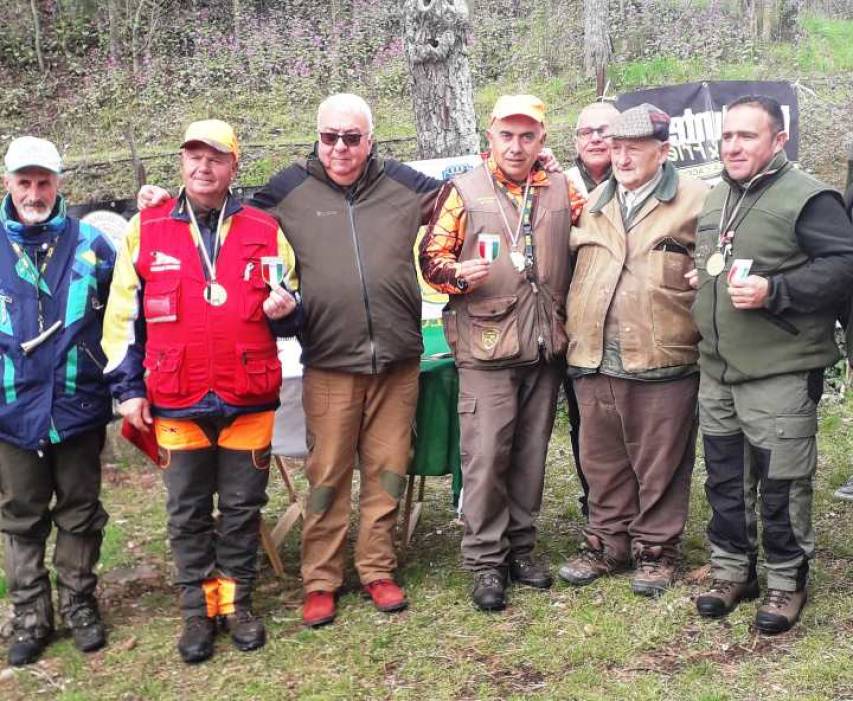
(632, 283)
(510, 320)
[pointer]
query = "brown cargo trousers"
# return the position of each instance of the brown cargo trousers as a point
(505, 420)
(638, 444)
(371, 416)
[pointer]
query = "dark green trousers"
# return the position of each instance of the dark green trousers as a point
(70, 472)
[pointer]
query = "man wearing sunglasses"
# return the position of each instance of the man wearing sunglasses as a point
(500, 248)
(352, 218)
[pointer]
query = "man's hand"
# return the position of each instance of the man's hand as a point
(549, 161)
(151, 196)
(138, 413)
(750, 293)
(692, 278)
(279, 304)
(474, 272)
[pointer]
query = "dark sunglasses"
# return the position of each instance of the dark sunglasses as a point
(330, 138)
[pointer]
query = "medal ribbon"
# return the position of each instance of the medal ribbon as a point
(524, 208)
(208, 260)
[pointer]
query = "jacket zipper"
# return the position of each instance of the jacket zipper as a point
(363, 283)
(717, 334)
(91, 355)
(541, 339)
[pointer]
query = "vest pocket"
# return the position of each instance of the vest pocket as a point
(494, 328)
(256, 291)
(160, 300)
(670, 269)
(165, 368)
(258, 370)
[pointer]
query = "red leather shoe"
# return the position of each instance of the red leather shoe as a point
(318, 609)
(387, 596)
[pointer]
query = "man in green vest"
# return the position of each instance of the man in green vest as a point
(774, 255)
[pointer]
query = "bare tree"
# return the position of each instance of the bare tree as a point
(37, 34)
(596, 40)
(435, 34)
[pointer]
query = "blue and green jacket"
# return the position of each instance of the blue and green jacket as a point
(56, 390)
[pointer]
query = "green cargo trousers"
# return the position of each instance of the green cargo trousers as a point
(761, 450)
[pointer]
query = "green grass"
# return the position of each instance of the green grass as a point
(595, 642)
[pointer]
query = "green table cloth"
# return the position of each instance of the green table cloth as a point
(436, 433)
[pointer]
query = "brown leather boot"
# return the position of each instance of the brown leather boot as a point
(724, 596)
(653, 576)
(589, 565)
(780, 610)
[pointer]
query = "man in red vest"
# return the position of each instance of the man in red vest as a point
(190, 303)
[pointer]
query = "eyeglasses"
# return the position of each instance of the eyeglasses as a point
(587, 132)
(350, 138)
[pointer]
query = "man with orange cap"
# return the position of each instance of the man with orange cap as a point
(191, 304)
(500, 248)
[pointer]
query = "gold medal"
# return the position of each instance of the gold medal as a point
(715, 264)
(518, 262)
(215, 294)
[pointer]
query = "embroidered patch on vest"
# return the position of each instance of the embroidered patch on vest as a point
(489, 338)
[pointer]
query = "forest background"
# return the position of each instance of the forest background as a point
(104, 79)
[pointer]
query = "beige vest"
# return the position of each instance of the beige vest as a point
(631, 284)
(510, 320)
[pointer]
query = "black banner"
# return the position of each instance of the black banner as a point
(697, 111)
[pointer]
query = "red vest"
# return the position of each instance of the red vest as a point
(193, 347)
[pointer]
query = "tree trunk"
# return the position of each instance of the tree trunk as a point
(113, 19)
(235, 18)
(37, 34)
(596, 40)
(787, 24)
(442, 93)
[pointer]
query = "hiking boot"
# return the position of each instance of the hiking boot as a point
(28, 642)
(387, 596)
(489, 590)
(196, 641)
(653, 576)
(246, 629)
(724, 596)
(845, 491)
(87, 628)
(318, 609)
(533, 573)
(588, 565)
(780, 610)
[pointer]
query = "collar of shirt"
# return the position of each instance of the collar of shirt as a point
(632, 198)
(540, 177)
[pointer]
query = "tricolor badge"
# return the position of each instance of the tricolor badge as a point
(489, 246)
(272, 270)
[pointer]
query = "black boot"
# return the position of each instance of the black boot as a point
(29, 591)
(246, 629)
(83, 619)
(75, 558)
(489, 592)
(196, 641)
(30, 633)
